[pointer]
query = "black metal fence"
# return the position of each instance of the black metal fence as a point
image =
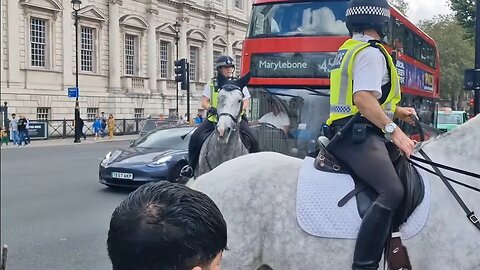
(65, 128)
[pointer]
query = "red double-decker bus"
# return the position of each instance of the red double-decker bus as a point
(290, 48)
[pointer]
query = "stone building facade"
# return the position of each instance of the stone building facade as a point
(126, 54)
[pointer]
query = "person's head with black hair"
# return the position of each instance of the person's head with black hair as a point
(166, 226)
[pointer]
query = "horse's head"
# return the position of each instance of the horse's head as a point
(230, 105)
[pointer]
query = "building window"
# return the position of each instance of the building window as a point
(92, 113)
(193, 63)
(38, 42)
(164, 52)
(43, 113)
(130, 54)
(216, 54)
(138, 113)
(238, 65)
(87, 49)
(238, 4)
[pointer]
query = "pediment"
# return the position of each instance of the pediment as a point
(218, 40)
(196, 34)
(166, 28)
(237, 44)
(134, 21)
(93, 13)
(51, 5)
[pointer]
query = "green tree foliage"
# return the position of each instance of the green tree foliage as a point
(456, 53)
(465, 14)
(401, 5)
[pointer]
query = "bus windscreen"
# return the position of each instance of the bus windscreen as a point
(311, 18)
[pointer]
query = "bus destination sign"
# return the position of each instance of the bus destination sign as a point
(292, 65)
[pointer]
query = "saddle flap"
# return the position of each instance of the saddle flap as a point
(326, 162)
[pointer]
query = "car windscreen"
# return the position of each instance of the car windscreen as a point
(306, 18)
(455, 119)
(166, 138)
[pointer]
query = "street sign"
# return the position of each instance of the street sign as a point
(72, 92)
(38, 130)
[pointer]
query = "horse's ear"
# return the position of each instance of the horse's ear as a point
(221, 80)
(243, 81)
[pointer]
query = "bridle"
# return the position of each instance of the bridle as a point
(237, 117)
(470, 214)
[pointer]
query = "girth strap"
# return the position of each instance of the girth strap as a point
(470, 214)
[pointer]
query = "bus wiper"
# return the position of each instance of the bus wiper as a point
(316, 92)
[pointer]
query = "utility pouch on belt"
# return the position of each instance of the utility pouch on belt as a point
(359, 132)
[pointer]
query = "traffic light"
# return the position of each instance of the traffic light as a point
(181, 73)
(472, 102)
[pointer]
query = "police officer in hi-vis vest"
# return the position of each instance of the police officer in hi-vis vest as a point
(364, 79)
(225, 65)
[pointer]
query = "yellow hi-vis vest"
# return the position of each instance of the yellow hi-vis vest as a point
(214, 100)
(341, 82)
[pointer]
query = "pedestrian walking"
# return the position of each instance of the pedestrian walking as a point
(110, 125)
(103, 119)
(97, 127)
(21, 127)
(13, 126)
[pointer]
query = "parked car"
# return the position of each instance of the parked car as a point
(159, 155)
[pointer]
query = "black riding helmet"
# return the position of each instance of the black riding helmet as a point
(224, 61)
(368, 14)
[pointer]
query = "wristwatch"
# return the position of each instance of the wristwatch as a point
(389, 129)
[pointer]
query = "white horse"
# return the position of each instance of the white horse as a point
(225, 142)
(258, 203)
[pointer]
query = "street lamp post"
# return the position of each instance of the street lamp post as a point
(177, 26)
(76, 7)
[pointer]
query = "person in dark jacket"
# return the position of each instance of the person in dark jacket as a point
(22, 127)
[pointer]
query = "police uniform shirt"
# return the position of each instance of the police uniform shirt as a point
(207, 92)
(370, 71)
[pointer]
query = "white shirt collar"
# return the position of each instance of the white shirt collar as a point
(362, 37)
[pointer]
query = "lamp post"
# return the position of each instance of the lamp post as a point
(76, 7)
(177, 26)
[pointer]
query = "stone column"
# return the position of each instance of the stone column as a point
(151, 50)
(13, 15)
(114, 44)
(183, 51)
(68, 44)
(209, 50)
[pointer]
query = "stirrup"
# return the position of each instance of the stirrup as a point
(187, 171)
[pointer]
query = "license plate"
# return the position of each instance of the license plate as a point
(121, 175)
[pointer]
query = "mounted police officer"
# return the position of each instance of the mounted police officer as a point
(364, 79)
(226, 66)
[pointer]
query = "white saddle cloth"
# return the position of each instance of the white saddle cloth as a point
(318, 194)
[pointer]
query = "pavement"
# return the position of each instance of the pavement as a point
(54, 213)
(69, 141)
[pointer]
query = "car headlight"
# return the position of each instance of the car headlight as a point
(160, 162)
(106, 159)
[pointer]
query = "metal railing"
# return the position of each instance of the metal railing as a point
(65, 128)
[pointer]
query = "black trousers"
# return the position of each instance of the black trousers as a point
(370, 161)
(202, 132)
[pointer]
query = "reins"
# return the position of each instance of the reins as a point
(470, 214)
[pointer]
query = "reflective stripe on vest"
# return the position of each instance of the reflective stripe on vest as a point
(341, 82)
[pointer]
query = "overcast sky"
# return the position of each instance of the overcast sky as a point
(426, 9)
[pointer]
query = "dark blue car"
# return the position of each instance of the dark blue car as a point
(159, 155)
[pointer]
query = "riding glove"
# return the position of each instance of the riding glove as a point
(212, 110)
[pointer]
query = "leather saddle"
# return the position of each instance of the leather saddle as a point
(365, 195)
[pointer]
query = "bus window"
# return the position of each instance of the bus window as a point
(322, 18)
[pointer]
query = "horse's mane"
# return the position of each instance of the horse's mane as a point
(471, 128)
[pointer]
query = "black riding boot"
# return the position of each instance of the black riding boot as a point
(372, 236)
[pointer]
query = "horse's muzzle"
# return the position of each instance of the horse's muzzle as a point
(224, 134)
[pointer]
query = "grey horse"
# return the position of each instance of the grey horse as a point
(225, 143)
(259, 207)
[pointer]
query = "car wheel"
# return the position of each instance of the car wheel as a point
(175, 174)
